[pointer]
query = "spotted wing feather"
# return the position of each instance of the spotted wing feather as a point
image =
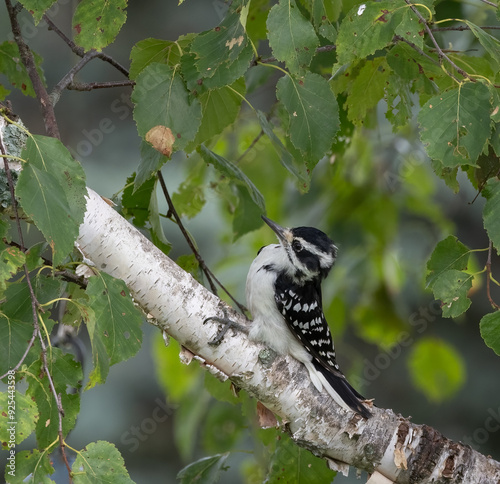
(301, 307)
(302, 310)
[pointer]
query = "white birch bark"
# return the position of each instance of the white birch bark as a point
(388, 446)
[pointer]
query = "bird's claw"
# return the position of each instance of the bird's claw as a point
(226, 325)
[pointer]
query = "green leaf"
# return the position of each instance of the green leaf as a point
(371, 26)
(51, 190)
(399, 101)
(291, 463)
(223, 427)
(66, 374)
(11, 259)
(190, 264)
(452, 288)
(491, 215)
(100, 358)
(220, 107)
(247, 214)
(408, 26)
(286, 159)
(221, 390)
(31, 467)
(37, 8)
(189, 198)
(495, 137)
(100, 463)
(231, 171)
(456, 124)
(24, 414)
(97, 22)
(490, 331)
(157, 235)
(207, 470)
(490, 43)
(34, 256)
(175, 378)
(135, 200)
(436, 368)
(223, 53)
(151, 162)
(4, 92)
(401, 60)
(449, 254)
(367, 89)
(149, 51)
(291, 37)
(14, 338)
(313, 113)
(13, 68)
(162, 99)
(16, 319)
(117, 320)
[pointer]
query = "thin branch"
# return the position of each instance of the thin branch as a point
(60, 410)
(212, 280)
(415, 47)
(488, 277)
(461, 28)
(252, 144)
(68, 78)
(268, 60)
(49, 117)
(491, 4)
(440, 52)
(81, 86)
(422, 53)
(79, 50)
(65, 275)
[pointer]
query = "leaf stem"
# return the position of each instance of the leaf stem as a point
(262, 63)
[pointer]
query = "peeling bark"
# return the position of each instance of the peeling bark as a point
(388, 446)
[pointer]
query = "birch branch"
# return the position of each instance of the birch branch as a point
(387, 446)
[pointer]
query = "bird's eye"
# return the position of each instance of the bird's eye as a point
(296, 246)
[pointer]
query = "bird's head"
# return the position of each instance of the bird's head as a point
(310, 252)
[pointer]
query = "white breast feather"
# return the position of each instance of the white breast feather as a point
(268, 325)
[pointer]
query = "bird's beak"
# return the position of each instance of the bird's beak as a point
(282, 232)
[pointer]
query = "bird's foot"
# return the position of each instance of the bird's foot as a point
(227, 324)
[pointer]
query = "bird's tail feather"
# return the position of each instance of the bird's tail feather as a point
(341, 391)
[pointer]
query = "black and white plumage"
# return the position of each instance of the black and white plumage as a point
(283, 293)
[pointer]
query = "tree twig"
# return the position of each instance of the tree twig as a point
(268, 60)
(422, 53)
(79, 50)
(488, 276)
(439, 51)
(68, 78)
(461, 28)
(212, 280)
(84, 86)
(491, 4)
(49, 117)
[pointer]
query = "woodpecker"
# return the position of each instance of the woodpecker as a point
(283, 292)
